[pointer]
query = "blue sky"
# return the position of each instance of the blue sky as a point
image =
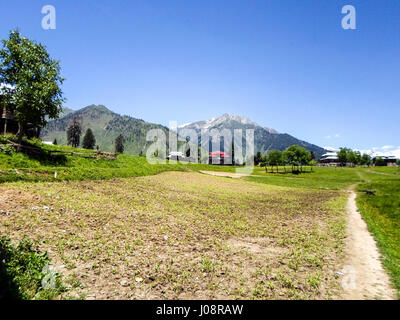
(287, 64)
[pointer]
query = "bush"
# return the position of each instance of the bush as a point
(7, 149)
(25, 273)
(7, 137)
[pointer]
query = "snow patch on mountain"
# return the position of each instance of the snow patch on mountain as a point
(225, 118)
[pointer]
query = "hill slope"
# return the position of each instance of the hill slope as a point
(106, 126)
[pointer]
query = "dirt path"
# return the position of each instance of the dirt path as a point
(381, 173)
(363, 276)
(225, 174)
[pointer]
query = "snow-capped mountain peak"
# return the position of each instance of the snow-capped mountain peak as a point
(224, 119)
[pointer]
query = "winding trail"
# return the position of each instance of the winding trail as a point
(363, 274)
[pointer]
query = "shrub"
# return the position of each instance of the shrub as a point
(7, 149)
(25, 273)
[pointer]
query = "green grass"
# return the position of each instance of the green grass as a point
(24, 272)
(17, 166)
(321, 178)
(381, 212)
(382, 215)
(187, 235)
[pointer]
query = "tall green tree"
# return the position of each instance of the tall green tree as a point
(366, 160)
(264, 161)
(74, 132)
(119, 144)
(357, 156)
(89, 141)
(297, 156)
(343, 156)
(275, 158)
(351, 157)
(27, 66)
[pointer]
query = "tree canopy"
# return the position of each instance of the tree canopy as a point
(365, 159)
(348, 156)
(342, 155)
(27, 66)
(296, 155)
(275, 158)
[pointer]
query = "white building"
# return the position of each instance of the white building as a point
(330, 158)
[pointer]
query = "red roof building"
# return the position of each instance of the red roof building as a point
(219, 157)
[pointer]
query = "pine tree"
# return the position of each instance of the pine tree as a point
(89, 141)
(74, 132)
(119, 144)
(55, 142)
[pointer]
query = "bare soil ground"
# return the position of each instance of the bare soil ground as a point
(182, 236)
(363, 274)
(225, 174)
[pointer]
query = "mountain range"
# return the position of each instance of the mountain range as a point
(107, 125)
(265, 138)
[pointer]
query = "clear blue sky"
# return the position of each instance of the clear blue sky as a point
(286, 64)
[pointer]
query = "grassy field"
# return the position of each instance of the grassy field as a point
(167, 231)
(381, 212)
(322, 178)
(382, 215)
(16, 166)
(183, 235)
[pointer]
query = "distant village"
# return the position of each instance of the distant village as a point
(332, 158)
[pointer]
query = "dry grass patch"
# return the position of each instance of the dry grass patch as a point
(183, 236)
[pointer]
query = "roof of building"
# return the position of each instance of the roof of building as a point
(385, 157)
(329, 154)
(175, 154)
(218, 154)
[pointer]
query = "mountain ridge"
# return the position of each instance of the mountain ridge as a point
(107, 125)
(224, 118)
(265, 138)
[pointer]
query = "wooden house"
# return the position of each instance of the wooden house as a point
(8, 124)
